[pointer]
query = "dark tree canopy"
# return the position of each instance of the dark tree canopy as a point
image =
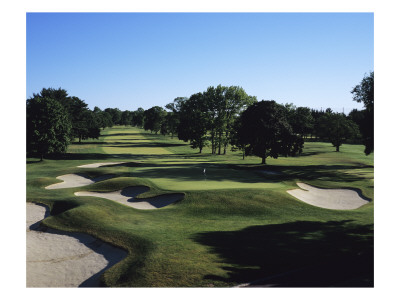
(138, 117)
(337, 129)
(48, 126)
(300, 119)
(265, 131)
(126, 117)
(115, 114)
(193, 121)
(364, 92)
(84, 124)
(153, 118)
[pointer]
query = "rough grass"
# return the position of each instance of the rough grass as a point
(236, 226)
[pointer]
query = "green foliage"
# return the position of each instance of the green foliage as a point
(138, 117)
(84, 123)
(266, 132)
(48, 126)
(126, 117)
(115, 114)
(364, 92)
(154, 118)
(300, 119)
(337, 129)
(193, 121)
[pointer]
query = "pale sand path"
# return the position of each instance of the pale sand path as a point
(328, 198)
(75, 180)
(127, 196)
(97, 165)
(62, 259)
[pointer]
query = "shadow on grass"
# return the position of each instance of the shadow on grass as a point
(310, 172)
(33, 162)
(141, 145)
(296, 254)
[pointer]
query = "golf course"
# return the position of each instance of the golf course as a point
(190, 219)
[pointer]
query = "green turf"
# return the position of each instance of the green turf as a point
(237, 225)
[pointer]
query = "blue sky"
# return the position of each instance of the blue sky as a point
(131, 60)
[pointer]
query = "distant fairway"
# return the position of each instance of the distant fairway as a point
(236, 225)
(121, 142)
(179, 175)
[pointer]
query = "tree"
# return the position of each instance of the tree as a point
(300, 119)
(223, 105)
(103, 118)
(236, 142)
(364, 92)
(126, 118)
(48, 126)
(115, 115)
(83, 123)
(337, 129)
(138, 117)
(265, 131)
(193, 121)
(153, 118)
(172, 117)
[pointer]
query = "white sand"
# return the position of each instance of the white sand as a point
(58, 259)
(328, 198)
(75, 180)
(127, 196)
(97, 165)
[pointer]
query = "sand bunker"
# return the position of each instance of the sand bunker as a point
(128, 195)
(328, 198)
(97, 165)
(76, 180)
(61, 259)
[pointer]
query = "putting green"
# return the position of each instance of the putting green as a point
(190, 177)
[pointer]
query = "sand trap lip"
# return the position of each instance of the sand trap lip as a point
(97, 165)
(328, 198)
(128, 195)
(61, 259)
(76, 180)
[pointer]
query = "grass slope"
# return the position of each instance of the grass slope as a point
(235, 226)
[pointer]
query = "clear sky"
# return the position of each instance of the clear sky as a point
(131, 60)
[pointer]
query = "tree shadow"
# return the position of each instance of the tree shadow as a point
(142, 145)
(296, 254)
(311, 172)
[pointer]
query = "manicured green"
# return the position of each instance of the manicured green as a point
(234, 226)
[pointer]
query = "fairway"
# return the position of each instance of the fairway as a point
(169, 172)
(234, 225)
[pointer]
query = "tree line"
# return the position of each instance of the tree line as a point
(219, 118)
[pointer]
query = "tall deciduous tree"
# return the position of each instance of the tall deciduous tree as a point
(126, 118)
(138, 117)
(193, 121)
(223, 106)
(83, 124)
(364, 92)
(265, 131)
(172, 118)
(115, 115)
(48, 126)
(337, 129)
(300, 119)
(153, 118)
